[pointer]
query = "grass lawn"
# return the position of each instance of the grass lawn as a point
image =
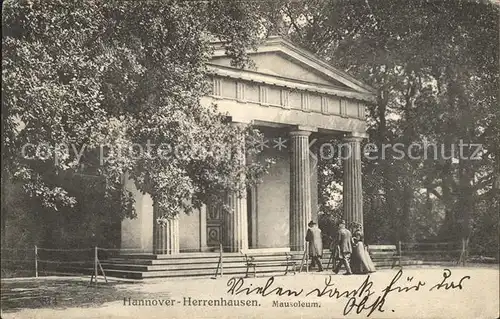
(473, 294)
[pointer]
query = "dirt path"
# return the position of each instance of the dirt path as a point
(200, 298)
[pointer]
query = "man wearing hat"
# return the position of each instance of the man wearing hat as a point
(313, 237)
(345, 249)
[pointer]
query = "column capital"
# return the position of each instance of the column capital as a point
(310, 129)
(300, 133)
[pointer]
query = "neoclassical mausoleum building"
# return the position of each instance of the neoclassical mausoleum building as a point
(293, 98)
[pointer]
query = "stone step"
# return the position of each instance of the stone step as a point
(381, 247)
(381, 253)
(181, 262)
(189, 256)
(167, 267)
(211, 267)
(207, 261)
(136, 274)
(199, 255)
(167, 261)
(203, 272)
(142, 265)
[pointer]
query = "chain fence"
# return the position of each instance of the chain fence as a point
(40, 261)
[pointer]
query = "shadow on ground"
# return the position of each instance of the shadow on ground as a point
(62, 294)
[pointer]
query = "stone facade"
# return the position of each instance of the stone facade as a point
(293, 98)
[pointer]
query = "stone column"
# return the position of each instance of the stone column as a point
(353, 192)
(203, 228)
(235, 232)
(166, 237)
(300, 188)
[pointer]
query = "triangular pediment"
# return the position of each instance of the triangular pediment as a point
(279, 58)
(277, 64)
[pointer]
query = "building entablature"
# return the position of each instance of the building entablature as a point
(290, 87)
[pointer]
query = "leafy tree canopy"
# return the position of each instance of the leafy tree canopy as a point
(88, 83)
(435, 66)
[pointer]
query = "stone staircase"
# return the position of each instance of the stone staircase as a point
(142, 266)
(135, 266)
(204, 264)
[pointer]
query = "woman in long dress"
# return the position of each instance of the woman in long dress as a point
(369, 261)
(361, 263)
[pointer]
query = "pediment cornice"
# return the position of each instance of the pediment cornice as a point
(294, 84)
(331, 79)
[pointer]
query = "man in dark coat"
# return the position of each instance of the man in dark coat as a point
(345, 249)
(313, 237)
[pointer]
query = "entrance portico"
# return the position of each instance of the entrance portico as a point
(293, 98)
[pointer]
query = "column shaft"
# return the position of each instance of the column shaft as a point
(203, 228)
(300, 189)
(352, 189)
(235, 224)
(235, 232)
(166, 237)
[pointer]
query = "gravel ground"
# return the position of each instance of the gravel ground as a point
(471, 292)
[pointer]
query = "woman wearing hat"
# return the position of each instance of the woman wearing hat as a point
(361, 263)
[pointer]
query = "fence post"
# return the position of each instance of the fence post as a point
(95, 264)
(221, 262)
(400, 252)
(304, 260)
(36, 261)
(466, 250)
(461, 261)
(307, 257)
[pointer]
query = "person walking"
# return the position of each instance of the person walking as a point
(361, 262)
(313, 237)
(357, 266)
(345, 249)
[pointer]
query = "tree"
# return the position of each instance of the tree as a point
(108, 88)
(435, 66)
